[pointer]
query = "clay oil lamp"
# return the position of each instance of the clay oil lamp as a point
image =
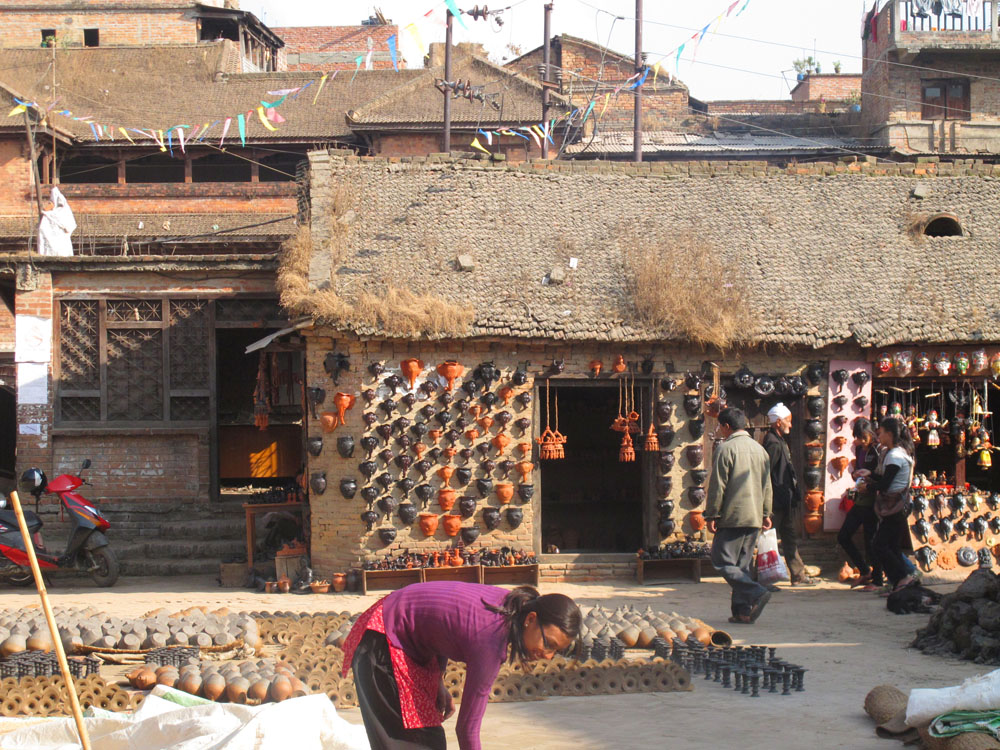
(839, 463)
(506, 394)
(664, 485)
(466, 454)
(694, 454)
(370, 494)
(484, 486)
(470, 534)
(318, 482)
(524, 449)
(525, 468)
(409, 399)
(491, 517)
(445, 473)
(424, 493)
(463, 476)
(368, 394)
(525, 492)
(369, 518)
(428, 523)
(514, 517)
(386, 504)
(387, 534)
(450, 370)
(505, 492)
(328, 421)
(524, 399)
(446, 498)
(423, 467)
(411, 369)
(434, 435)
(348, 487)
(452, 525)
(500, 442)
(427, 411)
(472, 434)
(467, 506)
(505, 467)
(407, 513)
(314, 445)
(369, 418)
(368, 468)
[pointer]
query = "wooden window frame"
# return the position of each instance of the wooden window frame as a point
(947, 106)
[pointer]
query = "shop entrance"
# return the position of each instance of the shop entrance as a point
(591, 502)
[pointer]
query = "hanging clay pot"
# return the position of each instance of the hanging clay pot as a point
(838, 442)
(697, 427)
(369, 418)
(506, 394)
(666, 527)
(406, 484)
(452, 436)
(467, 506)
(813, 428)
(314, 445)
(814, 454)
(514, 517)
(664, 485)
(445, 473)
(376, 369)
(504, 418)
(505, 467)
(369, 518)
(839, 463)
(524, 468)
(407, 513)
(523, 424)
(813, 523)
(411, 369)
(692, 405)
(666, 436)
(472, 435)
(393, 382)
(489, 399)
(409, 399)
(524, 449)
(343, 402)
(595, 367)
(448, 453)
(524, 399)
(488, 466)
(839, 377)
(813, 500)
(485, 423)
(463, 476)
(470, 387)
(348, 487)
(450, 370)
(385, 456)
(500, 442)
(525, 492)
(401, 425)
(424, 492)
(384, 431)
(491, 517)
(387, 534)
(369, 443)
(698, 477)
(368, 394)
(696, 495)
(452, 525)
(345, 446)
(619, 365)
(404, 441)
(664, 410)
(419, 430)
(666, 508)
(387, 504)
(813, 476)
(483, 449)
(446, 498)
(694, 454)
(317, 481)
(814, 406)
(369, 494)
(465, 453)
(384, 479)
(387, 406)
(696, 520)
(814, 373)
(839, 402)
(667, 460)
(484, 486)
(328, 421)
(470, 534)
(505, 492)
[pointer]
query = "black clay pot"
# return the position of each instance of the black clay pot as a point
(463, 476)
(695, 454)
(514, 517)
(743, 378)
(407, 513)
(519, 377)
(419, 430)
(423, 466)
(393, 382)
(409, 399)
(860, 378)
(668, 384)
(385, 456)
(692, 405)
(505, 467)
(814, 373)
(557, 366)
(467, 506)
(813, 476)
(839, 402)
(814, 406)
(861, 402)
(369, 418)
(442, 418)
(404, 463)
(488, 466)
(369, 443)
(504, 418)
(387, 406)
(799, 386)
(693, 381)
(369, 494)
(318, 482)
(424, 492)
(461, 423)
(369, 518)
(484, 487)
(376, 369)
(387, 504)
(466, 453)
(763, 386)
(522, 424)
(387, 534)
(696, 495)
(368, 395)
(667, 460)
(384, 479)
(646, 366)
(314, 445)
(813, 428)
(696, 427)
(427, 411)
(664, 485)
(664, 410)
(491, 517)
(345, 446)
(839, 377)
(489, 399)
(667, 526)
(469, 534)
(666, 436)
(384, 431)
(406, 484)
(402, 424)
(452, 435)
(525, 492)
(483, 448)
(471, 387)
(698, 477)
(446, 398)
(348, 487)
(524, 399)
(666, 508)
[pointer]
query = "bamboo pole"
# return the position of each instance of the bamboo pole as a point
(53, 630)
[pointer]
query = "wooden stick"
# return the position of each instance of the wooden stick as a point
(53, 630)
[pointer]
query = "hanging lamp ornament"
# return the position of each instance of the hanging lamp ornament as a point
(550, 442)
(626, 454)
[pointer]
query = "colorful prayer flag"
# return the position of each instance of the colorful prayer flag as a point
(263, 120)
(225, 129)
(322, 81)
(241, 124)
(391, 41)
(478, 146)
(455, 12)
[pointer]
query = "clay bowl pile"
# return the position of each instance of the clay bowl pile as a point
(87, 629)
(966, 623)
(250, 681)
(638, 629)
(290, 628)
(46, 696)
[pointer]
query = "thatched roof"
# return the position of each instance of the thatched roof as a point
(822, 258)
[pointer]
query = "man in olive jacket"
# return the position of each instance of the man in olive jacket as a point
(739, 506)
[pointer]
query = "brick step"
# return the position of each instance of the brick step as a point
(215, 549)
(163, 566)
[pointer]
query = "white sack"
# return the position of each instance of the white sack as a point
(980, 693)
(55, 227)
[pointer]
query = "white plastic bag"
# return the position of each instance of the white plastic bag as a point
(979, 693)
(770, 567)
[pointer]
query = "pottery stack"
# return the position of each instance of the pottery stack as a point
(637, 629)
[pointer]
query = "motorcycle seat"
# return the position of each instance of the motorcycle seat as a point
(9, 518)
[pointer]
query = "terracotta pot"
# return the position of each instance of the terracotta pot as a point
(813, 523)
(814, 455)
(524, 448)
(814, 500)
(270, 587)
(338, 581)
(472, 434)
(281, 689)
(524, 468)
(343, 402)
(839, 463)
(696, 520)
(505, 492)
(258, 691)
(411, 369)
(619, 365)
(284, 584)
(838, 442)
(506, 394)
(703, 634)
(213, 687)
(596, 366)
(428, 524)
(450, 370)
(328, 421)
(695, 454)
(452, 525)
(485, 423)
(501, 441)
(318, 587)
(446, 498)
(445, 473)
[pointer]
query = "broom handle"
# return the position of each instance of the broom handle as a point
(53, 630)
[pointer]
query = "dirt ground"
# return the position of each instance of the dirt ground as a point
(847, 640)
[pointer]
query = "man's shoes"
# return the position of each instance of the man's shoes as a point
(758, 606)
(805, 581)
(772, 588)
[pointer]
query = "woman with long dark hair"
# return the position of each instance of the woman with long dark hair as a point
(400, 647)
(891, 483)
(862, 512)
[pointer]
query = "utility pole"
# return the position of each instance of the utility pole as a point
(34, 163)
(639, 65)
(546, 73)
(447, 77)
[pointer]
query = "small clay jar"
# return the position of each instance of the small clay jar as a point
(696, 427)
(667, 460)
(348, 487)
(666, 508)
(694, 454)
(666, 526)
(467, 506)
(407, 513)
(446, 498)
(813, 428)
(314, 445)
(813, 523)
(525, 492)
(814, 500)
(484, 487)
(339, 581)
(814, 406)
(666, 436)
(698, 477)
(387, 534)
(317, 481)
(839, 464)
(664, 485)
(345, 446)
(838, 442)
(692, 404)
(505, 492)
(664, 410)
(470, 534)
(813, 476)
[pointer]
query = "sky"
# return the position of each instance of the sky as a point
(756, 66)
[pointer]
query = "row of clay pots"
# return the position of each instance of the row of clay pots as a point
(637, 629)
(246, 682)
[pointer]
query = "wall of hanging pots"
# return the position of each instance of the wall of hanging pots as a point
(850, 392)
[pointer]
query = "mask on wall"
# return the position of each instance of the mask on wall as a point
(979, 360)
(884, 363)
(923, 363)
(942, 364)
(962, 363)
(903, 362)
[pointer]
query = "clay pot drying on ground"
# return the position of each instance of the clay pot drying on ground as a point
(467, 506)
(814, 501)
(664, 485)
(407, 513)
(369, 518)
(446, 498)
(450, 370)
(491, 517)
(839, 463)
(698, 477)
(696, 427)
(214, 686)
(452, 525)
(514, 517)
(314, 445)
(348, 487)
(813, 523)
(387, 534)
(470, 534)
(694, 454)
(696, 495)
(428, 523)
(345, 446)
(505, 492)
(526, 492)
(696, 520)
(317, 481)
(338, 581)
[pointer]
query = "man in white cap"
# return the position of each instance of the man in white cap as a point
(786, 493)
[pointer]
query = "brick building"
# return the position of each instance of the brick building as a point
(828, 87)
(327, 48)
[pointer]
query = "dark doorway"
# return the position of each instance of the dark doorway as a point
(8, 433)
(591, 502)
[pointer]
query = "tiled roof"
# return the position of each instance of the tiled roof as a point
(147, 227)
(826, 258)
(655, 142)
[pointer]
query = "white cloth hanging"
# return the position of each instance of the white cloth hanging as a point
(973, 7)
(954, 7)
(56, 227)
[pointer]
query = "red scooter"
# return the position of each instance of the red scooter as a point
(87, 550)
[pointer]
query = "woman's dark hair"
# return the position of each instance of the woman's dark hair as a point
(551, 609)
(900, 433)
(733, 418)
(862, 427)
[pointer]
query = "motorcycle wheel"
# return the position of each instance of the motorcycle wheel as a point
(106, 571)
(25, 578)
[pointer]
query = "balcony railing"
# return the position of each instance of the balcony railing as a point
(944, 15)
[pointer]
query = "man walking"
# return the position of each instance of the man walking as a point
(786, 492)
(739, 506)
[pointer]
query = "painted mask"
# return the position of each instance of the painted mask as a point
(942, 364)
(903, 362)
(884, 363)
(923, 363)
(995, 365)
(979, 360)
(961, 363)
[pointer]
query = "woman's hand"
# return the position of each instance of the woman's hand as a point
(445, 703)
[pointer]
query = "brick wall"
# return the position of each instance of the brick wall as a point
(396, 145)
(832, 87)
(771, 107)
(168, 26)
(15, 178)
(336, 47)
(195, 198)
(35, 450)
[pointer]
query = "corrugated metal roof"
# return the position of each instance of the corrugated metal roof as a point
(676, 142)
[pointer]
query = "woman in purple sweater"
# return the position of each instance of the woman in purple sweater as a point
(400, 647)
